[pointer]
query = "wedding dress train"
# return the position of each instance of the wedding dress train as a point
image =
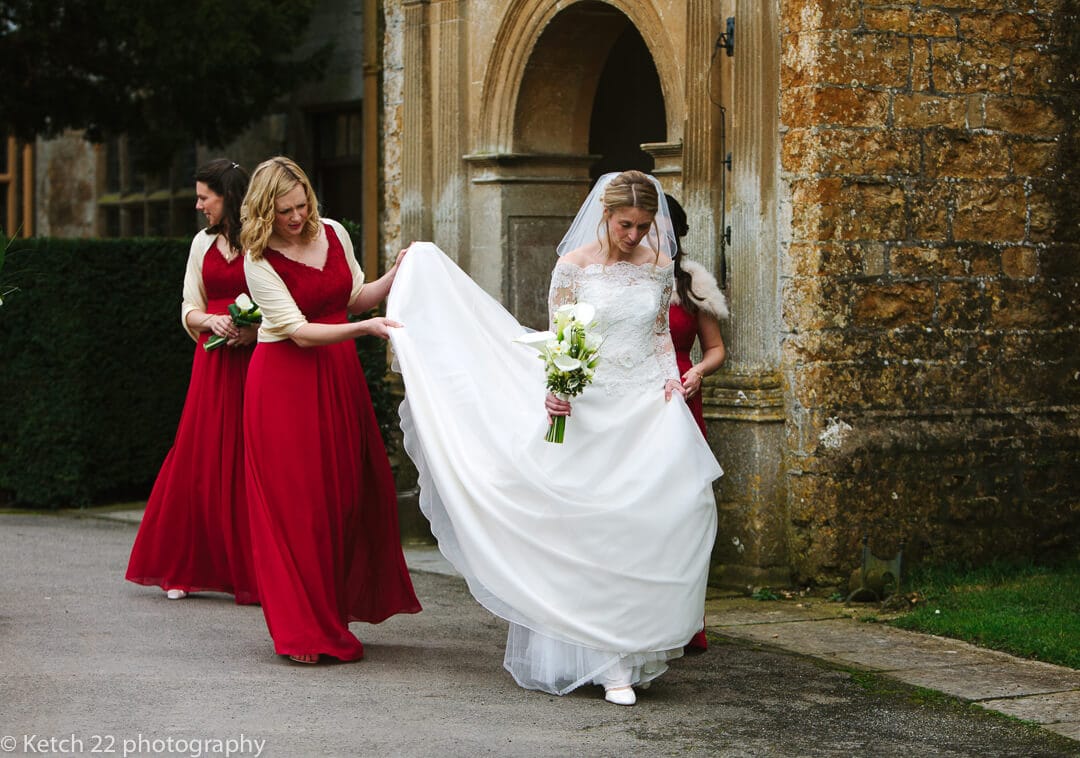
(595, 550)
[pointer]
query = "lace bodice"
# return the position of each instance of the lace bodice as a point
(632, 307)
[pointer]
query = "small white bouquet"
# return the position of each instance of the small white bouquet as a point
(570, 355)
(244, 312)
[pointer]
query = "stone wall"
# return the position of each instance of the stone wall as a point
(65, 186)
(930, 287)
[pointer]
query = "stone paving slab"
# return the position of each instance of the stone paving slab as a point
(1070, 729)
(991, 682)
(879, 645)
(742, 611)
(1039, 692)
(1043, 709)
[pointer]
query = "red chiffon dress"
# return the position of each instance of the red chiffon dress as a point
(194, 534)
(324, 523)
(684, 332)
(683, 325)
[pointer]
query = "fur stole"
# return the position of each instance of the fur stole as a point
(704, 291)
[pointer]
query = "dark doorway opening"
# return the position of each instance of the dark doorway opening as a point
(628, 109)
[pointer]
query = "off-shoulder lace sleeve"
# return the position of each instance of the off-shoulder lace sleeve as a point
(563, 289)
(662, 344)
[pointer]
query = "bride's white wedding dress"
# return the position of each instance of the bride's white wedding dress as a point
(595, 550)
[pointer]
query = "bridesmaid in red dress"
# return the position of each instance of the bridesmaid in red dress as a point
(323, 504)
(697, 305)
(194, 534)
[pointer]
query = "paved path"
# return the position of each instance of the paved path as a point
(1030, 690)
(92, 665)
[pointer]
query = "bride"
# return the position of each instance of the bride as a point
(595, 550)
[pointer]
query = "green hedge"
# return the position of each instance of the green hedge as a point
(96, 366)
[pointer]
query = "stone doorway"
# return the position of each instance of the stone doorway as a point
(590, 93)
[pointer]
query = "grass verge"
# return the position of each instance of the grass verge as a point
(1027, 610)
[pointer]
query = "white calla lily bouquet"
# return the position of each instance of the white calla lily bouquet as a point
(244, 312)
(570, 356)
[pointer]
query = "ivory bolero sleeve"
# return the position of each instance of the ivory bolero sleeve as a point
(280, 314)
(194, 291)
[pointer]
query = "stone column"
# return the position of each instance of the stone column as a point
(744, 408)
(415, 127)
(699, 155)
(369, 254)
(448, 127)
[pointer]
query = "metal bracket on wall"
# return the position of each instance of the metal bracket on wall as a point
(727, 37)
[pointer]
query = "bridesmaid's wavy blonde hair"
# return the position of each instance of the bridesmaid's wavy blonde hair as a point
(272, 179)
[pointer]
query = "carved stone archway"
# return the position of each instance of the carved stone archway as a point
(531, 170)
(515, 48)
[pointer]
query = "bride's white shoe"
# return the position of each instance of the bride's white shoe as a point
(175, 594)
(620, 695)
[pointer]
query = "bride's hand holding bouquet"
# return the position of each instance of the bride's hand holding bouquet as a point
(570, 356)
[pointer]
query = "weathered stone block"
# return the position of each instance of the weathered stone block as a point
(840, 58)
(927, 261)
(849, 152)
(970, 67)
(874, 255)
(976, 111)
(921, 111)
(929, 207)
(1042, 215)
(814, 303)
(967, 5)
(1022, 304)
(921, 65)
(826, 259)
(1061, 263)
(1034, 159)
(1023, 115)
(816, 191)
(1050, 7)
(808, 500)
(962, 304)
(888, 19)
(970, 346)
(814, 222)
(1004, 28)
(1038, 346)
(871, 211)
(892, 305)
(1013, 383)
(964, 155)
(830, 345)
(981, 260)
(1034, 71)
(933, 22)
(834, 106)
(812, 15)
(990, 211)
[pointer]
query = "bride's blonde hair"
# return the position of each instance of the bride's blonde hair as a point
(272, 179)
(631, 189)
